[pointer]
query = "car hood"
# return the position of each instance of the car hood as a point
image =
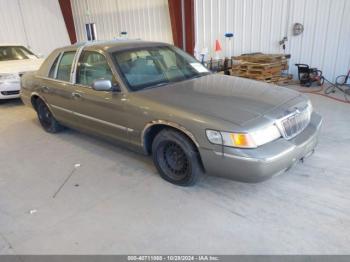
(233, 99)
(20, 66)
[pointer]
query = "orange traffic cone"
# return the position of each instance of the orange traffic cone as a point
(217, 49)
(217, 46)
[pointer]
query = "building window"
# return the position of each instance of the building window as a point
(90, 31)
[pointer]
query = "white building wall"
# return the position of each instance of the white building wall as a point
(145, 19)
(258, 26)
(38, 24)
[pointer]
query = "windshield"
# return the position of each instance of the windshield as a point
(14, 53)
(155, 66)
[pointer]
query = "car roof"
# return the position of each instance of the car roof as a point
(114, 45)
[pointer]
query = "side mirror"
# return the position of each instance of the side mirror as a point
(102, 85)
(105, 85)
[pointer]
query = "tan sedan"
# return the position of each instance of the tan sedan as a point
(158, 100)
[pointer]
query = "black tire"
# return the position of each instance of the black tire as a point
(46, 119)
(176, 158)
(340, 80)
(321, 81)
(308, 84)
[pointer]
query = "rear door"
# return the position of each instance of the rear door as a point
(58, 90)
(98, 111)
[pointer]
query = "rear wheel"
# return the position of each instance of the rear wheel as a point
(47, 121)
(176, 158)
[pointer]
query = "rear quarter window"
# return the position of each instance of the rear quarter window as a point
(65, 66)
(52, 71)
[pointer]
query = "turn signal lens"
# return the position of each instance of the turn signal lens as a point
(241, 140)
(244, 140)
(230, 139)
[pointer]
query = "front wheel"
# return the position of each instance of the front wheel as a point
(176, 158)
(47, 121)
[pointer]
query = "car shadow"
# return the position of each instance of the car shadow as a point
(8, 103)
(114, 151)
(99, 146)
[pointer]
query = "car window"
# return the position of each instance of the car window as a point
(155, 66)
(139, 67)
(93, 66)
(53, 67)
(8, 53)
(65, 65)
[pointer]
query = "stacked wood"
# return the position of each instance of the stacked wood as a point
(263, 67)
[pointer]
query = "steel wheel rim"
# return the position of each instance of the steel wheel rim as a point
(45, 116)
(174, 161)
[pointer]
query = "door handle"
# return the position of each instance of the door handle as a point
(76, 95)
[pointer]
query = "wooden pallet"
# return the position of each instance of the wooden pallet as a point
(261, 58)
(263, 67)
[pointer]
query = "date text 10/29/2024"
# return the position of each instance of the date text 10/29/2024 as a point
(173, 258)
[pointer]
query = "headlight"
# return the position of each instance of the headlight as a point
(214, 137)
(244, 140)
(5, 77)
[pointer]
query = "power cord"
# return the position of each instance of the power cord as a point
(333, 87)
(326, 92)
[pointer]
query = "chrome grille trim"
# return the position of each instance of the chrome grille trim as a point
(293, 124)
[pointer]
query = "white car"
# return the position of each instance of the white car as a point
(15, 60)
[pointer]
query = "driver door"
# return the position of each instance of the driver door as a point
(100, 112)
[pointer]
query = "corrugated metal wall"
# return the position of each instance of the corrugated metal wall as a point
(146, 19)
(35, 23)
(258, 26)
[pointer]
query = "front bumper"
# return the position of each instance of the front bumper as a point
(10, 89)
(255, 165)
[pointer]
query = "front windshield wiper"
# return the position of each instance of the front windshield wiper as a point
(162, 83)
(157, 85)
(198, 76)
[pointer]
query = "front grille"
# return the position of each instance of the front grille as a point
(9, 93)
(294, 124)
